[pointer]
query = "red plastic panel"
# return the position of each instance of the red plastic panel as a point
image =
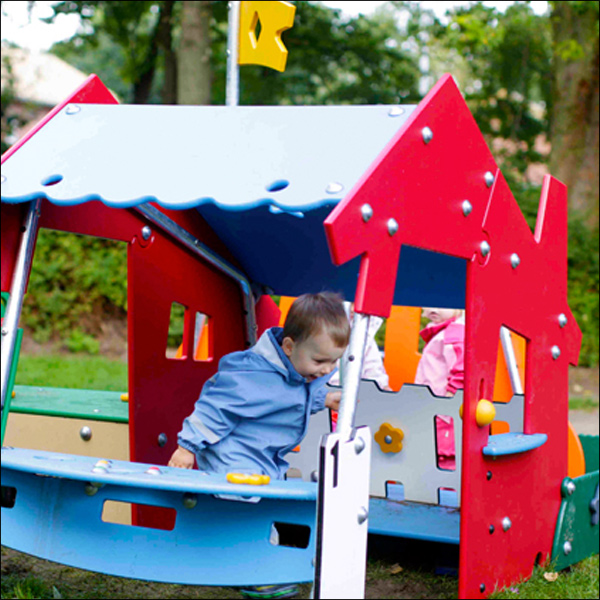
(528, 298)
(11, 222)
(422, 185)
(162, 391)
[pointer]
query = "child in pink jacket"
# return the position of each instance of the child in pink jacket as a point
(442, 368)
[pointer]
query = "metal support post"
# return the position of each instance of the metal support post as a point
(511, 360)
(232, 89)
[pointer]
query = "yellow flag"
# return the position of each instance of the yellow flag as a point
(261, 26)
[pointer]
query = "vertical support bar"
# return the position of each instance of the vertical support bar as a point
(17, 292)
(352, 373)
(511, 360)
(232, 89)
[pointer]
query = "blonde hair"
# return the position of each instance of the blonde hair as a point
(312, 313)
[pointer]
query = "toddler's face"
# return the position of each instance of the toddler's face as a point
(438, 315)
(315, 356)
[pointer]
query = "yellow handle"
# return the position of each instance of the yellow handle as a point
(243, 478)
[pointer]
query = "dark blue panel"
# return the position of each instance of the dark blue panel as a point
(288, 253)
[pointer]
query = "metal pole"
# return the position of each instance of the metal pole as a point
(232, 89)
(352, 374)
(17, 293)
(161, 220)
(511, 360)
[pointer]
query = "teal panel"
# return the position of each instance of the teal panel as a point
(591, 449)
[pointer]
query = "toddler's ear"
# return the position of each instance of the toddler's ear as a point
(287, 345)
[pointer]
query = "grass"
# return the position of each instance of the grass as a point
(585, 404)
(72, 371)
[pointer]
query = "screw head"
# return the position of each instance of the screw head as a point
(515, 261)
(146, 232)
(162, 439)
(506, 524)
(314, 476)
(427, 134)
(190, 500)
(396, 111)
(91, 489)
(562, 319)
(334, 188)
(484, 248)
(492, 529)
(366, 210)
(571, 487)
(567, 548)
(467, 207)
(85, 433)
(72, 109)
(555, 352)
(388, 439)
(488, 475)
(392, 226)
(363, 515)
(359, 445)
(4, 331)
(489, 179)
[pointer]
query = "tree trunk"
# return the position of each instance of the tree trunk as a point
(165, 40)
(574, 134)
(193, 62)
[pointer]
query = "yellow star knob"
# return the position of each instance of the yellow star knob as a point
(389, 438)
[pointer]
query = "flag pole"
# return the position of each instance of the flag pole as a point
(232, 90)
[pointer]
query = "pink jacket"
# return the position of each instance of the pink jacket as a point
(442, 364)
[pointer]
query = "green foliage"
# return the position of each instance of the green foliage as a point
(75, 283)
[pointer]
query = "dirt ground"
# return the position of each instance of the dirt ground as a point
(583, 383)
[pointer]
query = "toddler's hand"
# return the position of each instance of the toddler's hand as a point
(182, 459)
(332, 400)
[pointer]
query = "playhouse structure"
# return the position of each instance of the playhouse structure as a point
(220, 207)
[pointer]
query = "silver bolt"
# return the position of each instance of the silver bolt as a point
(427, 134)
(72, 109)
(85, 433)
(489, 179)
(555, 352)
(571, 487)
(567, 548)
(91, 489)
(485, 248)
(146, 232)
(467, 207)
(334, 188)
(515, 260)
(396, 111)
(190, 500)
(366, 210)
(506, 523)
(4, 331)
(392, 226)
(363, 515)
(562, 319)
(359, 445)
(314, 476)
(388, 439)
(162, 439)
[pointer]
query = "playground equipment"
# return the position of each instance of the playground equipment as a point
(413, 205)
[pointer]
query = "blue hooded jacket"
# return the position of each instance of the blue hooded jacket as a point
(253, 411)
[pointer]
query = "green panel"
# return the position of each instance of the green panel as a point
(574, 524)
(5, 296)
(72, 403)
(11, 375)
(590, 451)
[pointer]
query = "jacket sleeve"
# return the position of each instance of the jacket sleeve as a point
(454, 352)
(226, 398)
(318, 402)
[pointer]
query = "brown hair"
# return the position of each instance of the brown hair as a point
(310, 313)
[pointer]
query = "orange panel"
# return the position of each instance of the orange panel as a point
(284, 306)
(576, 456)
(402, 345)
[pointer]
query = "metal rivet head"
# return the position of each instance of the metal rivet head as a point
(562, 319)
(515, 261)
(363, 515)
(4, 331)
(85, 433)
(359, 445)
(396, 111)
(484, 248)
(482, 588)
(388, 439)
(366, 210)
(190, 500)
(492, 529)
(334, 188)
(392, 226)
(314, 476)
(488, 475)
(467, 207)
(91, 489)
(162, 439)
(351, 358)
(489, 179)
(72, 109)
(555, 352)
(427, 134)
(567, 548)
(146, 232)
(506, 524)
(571, 487)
